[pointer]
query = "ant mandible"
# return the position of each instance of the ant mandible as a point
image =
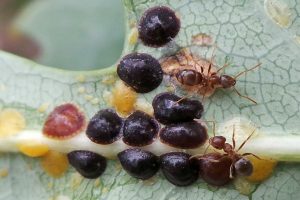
(210, 80)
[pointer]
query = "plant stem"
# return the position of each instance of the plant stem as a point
(278, 147)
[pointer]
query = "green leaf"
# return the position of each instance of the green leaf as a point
(75, 36)
(245, 31)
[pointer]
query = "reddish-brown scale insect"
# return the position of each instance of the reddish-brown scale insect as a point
(206, 80)
(219, 168)
(64, 121)
(219, 142)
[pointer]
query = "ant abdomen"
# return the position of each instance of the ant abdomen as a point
(189, 77)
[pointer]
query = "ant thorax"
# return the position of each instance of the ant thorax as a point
(185, 60)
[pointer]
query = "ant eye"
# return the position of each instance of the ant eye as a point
(243, 167)
(87, 163)
(140, 129)
(215, 168)
(186, 135)
(179, 169)
(104, 127)
(158, 26)
(169, 108)
(138, 163)
(140, 71)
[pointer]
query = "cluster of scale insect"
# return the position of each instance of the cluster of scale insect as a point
(182, 128)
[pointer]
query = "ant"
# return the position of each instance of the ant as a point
(210, 80)
(239, 164)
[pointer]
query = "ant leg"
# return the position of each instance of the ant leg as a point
(205, 91)
(207, 147)
(233, 135)
(183, 98)
(247, 70)
(231, 171)
(208, 159)
(241, 146)
(251, 154)
(243, 96)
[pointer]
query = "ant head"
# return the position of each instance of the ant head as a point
(189, 77)
(217, 142)
(227, 81)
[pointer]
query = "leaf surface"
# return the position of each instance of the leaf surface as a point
(245, 31)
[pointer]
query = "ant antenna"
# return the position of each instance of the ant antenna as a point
(203, 96)
(211, 58)
(243, 96)
(214, 132)
(251, 154)
(241, 146)
(247, 70)
(214, 126)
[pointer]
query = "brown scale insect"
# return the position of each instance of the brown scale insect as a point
(195, 76)
(239, 163)
(219, 142)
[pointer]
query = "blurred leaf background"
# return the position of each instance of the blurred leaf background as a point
(63, 33)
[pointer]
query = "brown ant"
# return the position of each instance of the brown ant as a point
(239, 164)
(210, 80)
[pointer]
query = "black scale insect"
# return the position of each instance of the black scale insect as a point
(169, 108)
(158, 26)
(89, 164)
(140, 71)
(104, 127)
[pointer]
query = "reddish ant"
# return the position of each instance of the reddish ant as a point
(207, 81)
(239, 164)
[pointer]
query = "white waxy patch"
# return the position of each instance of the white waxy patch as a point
(95, 101)
(2, 87)
(297, 38)
(242, 127)
(62, 197)
(81, 90)
(88, 97)
(279, 12)
(80, 78)
(109, 80)
(43, 107)
(133, 36)
(143, 105)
